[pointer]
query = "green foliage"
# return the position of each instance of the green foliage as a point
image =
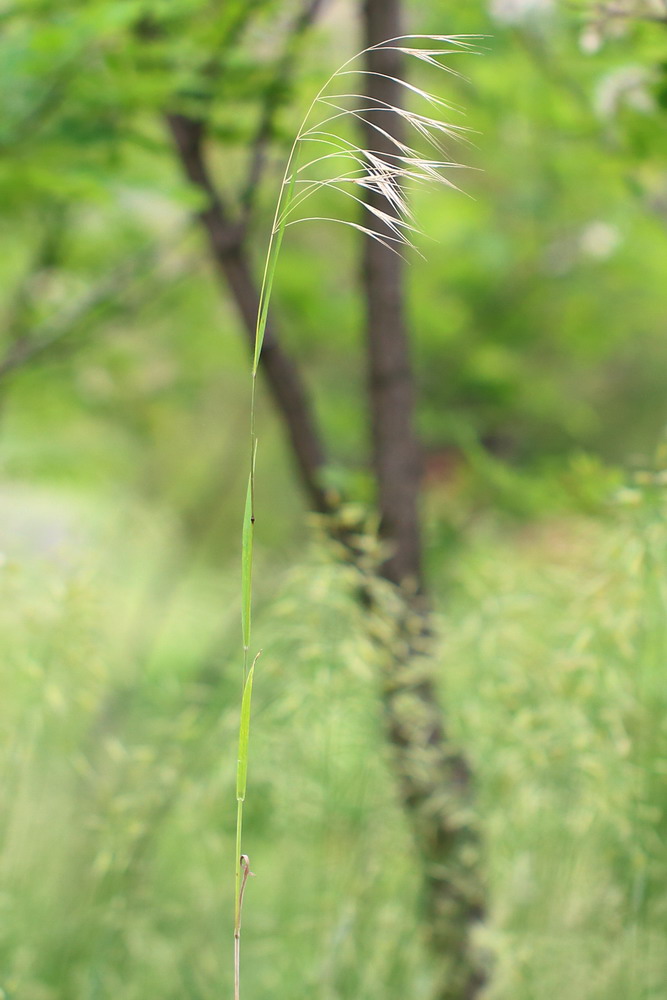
(563, 634)
(538, 311)
(114, 769)
(540, 355)
(100, 760)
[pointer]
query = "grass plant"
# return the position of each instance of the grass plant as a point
(357, 169)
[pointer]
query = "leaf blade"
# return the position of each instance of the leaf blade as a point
(244, 735)
(247, 540)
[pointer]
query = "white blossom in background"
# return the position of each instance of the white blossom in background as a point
(614, 18)
(657, 8)
(625, 87)
(515, 11)
(599, 239)
(591, 39)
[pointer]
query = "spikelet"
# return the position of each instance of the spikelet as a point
(337, 162)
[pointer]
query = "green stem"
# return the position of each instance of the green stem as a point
(237, 905)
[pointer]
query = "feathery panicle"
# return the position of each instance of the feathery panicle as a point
(336, 162)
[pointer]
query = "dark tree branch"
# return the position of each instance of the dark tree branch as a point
(225, 237)
(274, 99)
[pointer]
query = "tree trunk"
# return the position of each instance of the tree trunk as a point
(434, 778)
(396, 457)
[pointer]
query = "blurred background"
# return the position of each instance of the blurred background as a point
(537, 318)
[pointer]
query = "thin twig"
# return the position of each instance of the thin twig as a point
(45, 257)
(274, 98)
(32, 344)
(627, 12)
